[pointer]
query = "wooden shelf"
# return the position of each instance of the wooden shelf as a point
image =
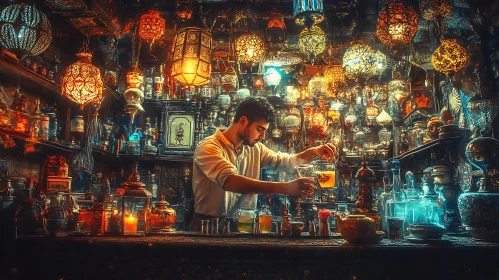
(437, 143)
(38, 84)
(54, 146)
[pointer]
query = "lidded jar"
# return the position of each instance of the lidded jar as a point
(163, 218)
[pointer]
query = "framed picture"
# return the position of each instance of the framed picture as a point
(58, 184)
(179, 130)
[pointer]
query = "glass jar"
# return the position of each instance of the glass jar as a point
(244, 219)
(133, 148)
(416, 134)
(265, 219)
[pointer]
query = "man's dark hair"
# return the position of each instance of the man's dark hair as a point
(255, 109)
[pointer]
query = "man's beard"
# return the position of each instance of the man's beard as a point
(246, 140)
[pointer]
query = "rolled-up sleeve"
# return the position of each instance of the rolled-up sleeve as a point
(274, 160)
(211, 161)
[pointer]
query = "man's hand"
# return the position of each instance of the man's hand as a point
(327, 152)
(301, 187)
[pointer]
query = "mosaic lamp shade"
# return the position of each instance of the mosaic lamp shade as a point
(271, 77)
(398, 89)
(250, 48)
(24, 30)
(436, 9)
(396, 23)
(317, 86)
(312, 41)
(359, 61)
(151, 25)
(192, 56)
(308, 12)
(82, 82)
(334, 75)
(449, 57)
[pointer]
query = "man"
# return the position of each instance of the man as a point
(227, 165)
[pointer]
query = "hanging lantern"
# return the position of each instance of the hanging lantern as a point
(24, 30)
(134, 95)
(372, 111)
(334, 75)
(191, 56)
(184, 10)
(271, 77)
(151, 25)
(258, 83)
(380, 62)
(396, 23)
(449, 57)
(276, 29)
(398, 88)
(317, 86)
(359, 61)
(308, 12)
(229, 80)
(436, 9)
(250, 48)
(82, 82)
(312, 41)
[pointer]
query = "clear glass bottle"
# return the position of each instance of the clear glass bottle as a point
(159, 79)
(415, 210)
(382, 199)
(396, 206)
(149, 83)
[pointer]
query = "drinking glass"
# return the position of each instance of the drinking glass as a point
(326, 176)
(305, 171)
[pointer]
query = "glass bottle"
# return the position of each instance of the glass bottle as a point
(265, 219)
(148, 87)
(396, 206)
(415, 211)
(433, 202)
(382, 199)
(159, 79)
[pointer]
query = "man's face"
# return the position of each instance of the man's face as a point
(251, 133)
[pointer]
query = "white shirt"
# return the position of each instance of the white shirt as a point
(215, 159)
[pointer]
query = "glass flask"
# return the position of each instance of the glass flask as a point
(396, 206)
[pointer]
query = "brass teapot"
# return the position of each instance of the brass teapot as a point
(358, 229)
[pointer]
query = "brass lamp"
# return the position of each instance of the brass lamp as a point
(24, 30)
(82, 82)
(396, 23)
(250, 48)
(449, 57)
(151, 25)
(334, 75)
(191, 65)
(312, 41)
(359, 61)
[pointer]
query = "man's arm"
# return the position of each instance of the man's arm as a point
(245, 185)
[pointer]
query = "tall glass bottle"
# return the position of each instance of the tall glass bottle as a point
(159, 79)
(382, 199)
(148, 85)
(396, 206)
(434, 206)
(415, 210)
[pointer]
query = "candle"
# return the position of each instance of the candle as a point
(130, 225)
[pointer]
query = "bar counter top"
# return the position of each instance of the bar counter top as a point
(186, 255)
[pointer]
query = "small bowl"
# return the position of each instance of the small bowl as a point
(426, 231)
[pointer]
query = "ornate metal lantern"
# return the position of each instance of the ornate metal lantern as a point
(359, 61)
(436, 9)
(396, 23)
(449, 57)
(191, 56)
(312, 41)
(317, 86)
(151, 25)
(82, 82)
(130, 206)
(398, 88)
(134, 95)
(308, 12)
(334, 75)
(229, 80)
(276, 29)
(24, 30)
(258, 83)
(250, 48)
